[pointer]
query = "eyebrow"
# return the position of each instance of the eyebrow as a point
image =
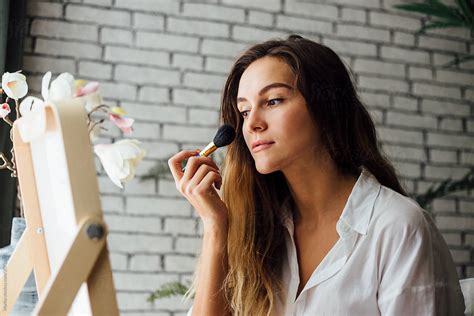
(266, 88)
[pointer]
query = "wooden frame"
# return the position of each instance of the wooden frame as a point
(64, 242)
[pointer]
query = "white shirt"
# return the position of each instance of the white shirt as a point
(390, 259)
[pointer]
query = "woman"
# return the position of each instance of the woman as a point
(312, 220)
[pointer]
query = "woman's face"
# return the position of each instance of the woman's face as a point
(274, 111)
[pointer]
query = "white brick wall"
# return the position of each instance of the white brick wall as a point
(166, 61)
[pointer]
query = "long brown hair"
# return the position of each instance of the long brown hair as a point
(256, 245)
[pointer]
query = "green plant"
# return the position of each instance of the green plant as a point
(167, 290)
(444, 16)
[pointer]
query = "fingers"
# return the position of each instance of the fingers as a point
(175, 163)
(197, 183)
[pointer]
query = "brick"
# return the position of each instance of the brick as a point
(132, 243)
(70, 49)
(375, 99)
(444, 140)
(65, 30)
(405, 55)
(441, 44)
(119, 91)
(442, 59)
(420, 73)
(118, 261)
(405, 153)
(260, 18)
(407, 169)
(177, 263)
(444, 205)
(203, 117)
(222, 48)
(160, 150)
(162, 6)
(267, 5)
(188, 244)
(180, 226)
(112, 203)
(45, 64)
(400, 136)
(444, 108)
(115, 36)
(143, 131)
(136, 56)
(458, 77)
(354, 15)
(411, 120)
(442, 173)
(403, 38)
(132, 301)
(158, 206)
(467, 158)
(133, 224)
(361, 3)
(167, 42)
(190, 97)
(146, 75)
(156, 113)
(144, 21)
(105, 3)
(187, 61)
(196, 27)
(95, 70)
(405, 103)
(44, 9)
(378, 67)
(168, 187)
(141, 281)
(443, 156)
(252, 34)
(180, 133)
(383, 84)
(451, 124)
(394, 21)
(153, 94)
(98, 16)
(351, 47)
(148, 263)
(204, 81)
(436, 90)
(362, 32)
(455, 33)
(107, 186)
(466, 207)
(377, 116)
(311, 9)
(138, 186)
(460, 255)
(304, 25)
(213, 12)
(220, 65)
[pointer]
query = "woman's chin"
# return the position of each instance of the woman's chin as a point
(265, 168)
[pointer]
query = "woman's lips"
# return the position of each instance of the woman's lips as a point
(261, 147)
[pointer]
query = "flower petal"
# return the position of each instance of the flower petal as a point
(45, 85)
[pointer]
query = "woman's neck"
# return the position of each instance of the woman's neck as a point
(320, 192)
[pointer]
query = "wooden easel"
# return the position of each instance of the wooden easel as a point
(69, 275)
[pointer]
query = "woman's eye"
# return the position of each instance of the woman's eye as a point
(272, 101)
(244, 113)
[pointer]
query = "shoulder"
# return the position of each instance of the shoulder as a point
(398, 214)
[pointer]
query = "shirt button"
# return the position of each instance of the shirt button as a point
(345, 228)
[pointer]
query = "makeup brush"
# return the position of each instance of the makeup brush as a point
(224, 136)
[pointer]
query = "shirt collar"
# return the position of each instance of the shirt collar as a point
(359, 207)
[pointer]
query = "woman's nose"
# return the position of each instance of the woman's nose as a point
(256, 120)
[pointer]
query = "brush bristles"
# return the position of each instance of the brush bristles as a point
(224, 136)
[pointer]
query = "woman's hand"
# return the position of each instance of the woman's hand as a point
(196, 185)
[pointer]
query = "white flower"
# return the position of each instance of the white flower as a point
(14, 85)
(120, 159)
(29, 103)
(62, 88)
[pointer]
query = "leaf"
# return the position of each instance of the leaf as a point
(465, 9)
(446, 187)
(437, 10)
(167, 290)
